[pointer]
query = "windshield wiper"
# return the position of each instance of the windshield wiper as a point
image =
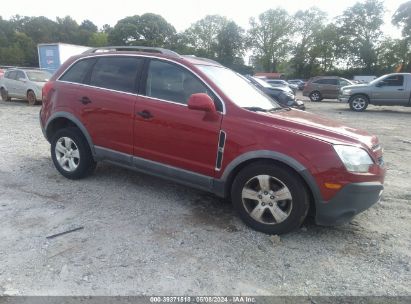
(256, 109)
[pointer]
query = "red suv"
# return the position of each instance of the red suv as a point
(196, 122)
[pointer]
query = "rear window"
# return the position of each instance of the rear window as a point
(78, 72)
(116, 73)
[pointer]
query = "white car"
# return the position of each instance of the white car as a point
(23, 84)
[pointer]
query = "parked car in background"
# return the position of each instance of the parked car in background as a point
(320, 87)
(23, 84)
(388, 90)
(199, 123)
(298, 82)
(280, 94)
(281, 83)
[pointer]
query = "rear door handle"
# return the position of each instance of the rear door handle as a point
(85, 100)
(145, 114)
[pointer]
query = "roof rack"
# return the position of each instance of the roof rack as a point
(201, 58)
(132, 48)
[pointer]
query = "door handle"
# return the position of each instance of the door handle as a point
(400, 89)
(145, 114)
(85, 100)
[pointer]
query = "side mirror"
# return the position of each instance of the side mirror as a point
(201, 102)
(380, 84)
(23, 79)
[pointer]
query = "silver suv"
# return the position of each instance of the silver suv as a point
(23, 84)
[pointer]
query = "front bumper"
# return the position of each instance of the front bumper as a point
(349, 201)
(343, 98)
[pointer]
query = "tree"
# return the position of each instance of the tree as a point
(360, 27)
(202, 35)
(309, 26)
(402, 17)
(148, 30)
(230, 44)
(269, 38)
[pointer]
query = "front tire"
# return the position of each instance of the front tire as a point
(358, 103)
(270, 198)
(31, 98)
(71, 154)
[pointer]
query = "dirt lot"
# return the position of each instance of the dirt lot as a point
(144, 235)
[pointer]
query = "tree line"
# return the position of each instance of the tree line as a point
(300, 45)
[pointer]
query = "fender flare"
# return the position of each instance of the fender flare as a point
(221, 184)
(75, 121)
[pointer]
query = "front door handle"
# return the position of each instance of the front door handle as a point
(400, 89)
(85, 100)
(145, 114)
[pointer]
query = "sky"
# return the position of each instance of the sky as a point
(180, 13)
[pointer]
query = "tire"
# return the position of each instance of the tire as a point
(31, 98)
(71, 154)
(270, 198)
(4, 95)
(315, 96)
(358, 103)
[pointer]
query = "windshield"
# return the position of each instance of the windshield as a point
(375, 81)
(262, 83)
(38, 76)
(239, 90)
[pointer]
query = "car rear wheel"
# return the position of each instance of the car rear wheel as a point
(71, 154)
(4, 95)
(31, 98)
(358, 103)
(315, 96)
(270, 198)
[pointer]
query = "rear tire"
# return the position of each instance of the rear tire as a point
(4, 95)
(315, 96)
(71, 154)
(270, 198)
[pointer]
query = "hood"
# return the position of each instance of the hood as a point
(39, 83)
(321, 128)
(353, 86)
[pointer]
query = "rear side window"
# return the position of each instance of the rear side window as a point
(116, 73)
(394, 81)
(326, 81)
(78, 72)
(11, 75)
(170, 82)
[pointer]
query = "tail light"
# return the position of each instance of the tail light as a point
(46, 91)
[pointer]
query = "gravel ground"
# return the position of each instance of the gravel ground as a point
(146, 236)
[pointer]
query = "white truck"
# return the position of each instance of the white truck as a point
(53, 55)
(388, 90)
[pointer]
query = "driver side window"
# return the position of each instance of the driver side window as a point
(169, 82)
(394, 81)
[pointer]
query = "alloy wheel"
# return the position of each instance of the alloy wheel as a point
(67, 154)
(267, 200)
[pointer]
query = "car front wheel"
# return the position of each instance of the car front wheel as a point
(270, 198)
(31, 98)
(71, 154)
(358, 103)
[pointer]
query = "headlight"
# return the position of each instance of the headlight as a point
(346, 92)
(354, 159)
